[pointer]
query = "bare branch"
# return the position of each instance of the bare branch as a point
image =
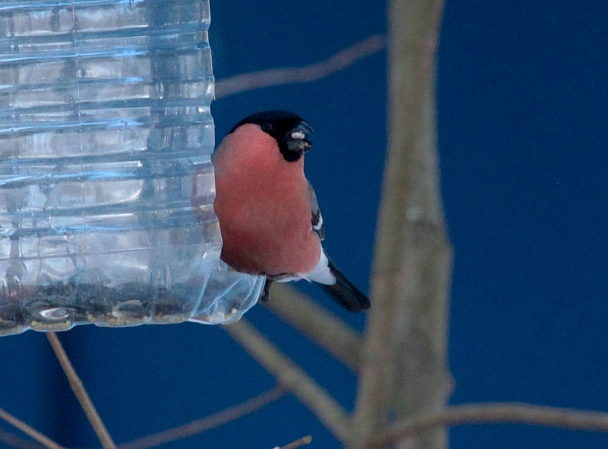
(207, 423)
(28, 430)
(514, 413)
(298, 443)
(290, 375)
(80, 392)
(317, 323)
(312, 72)
(404, 356)
(12, 440)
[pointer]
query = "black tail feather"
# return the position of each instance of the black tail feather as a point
(344, 292)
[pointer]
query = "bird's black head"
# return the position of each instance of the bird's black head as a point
(288, 129)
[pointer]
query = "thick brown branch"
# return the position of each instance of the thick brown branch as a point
(207, 423)
(514, 413)
(404, 356)
(81, 393)
(292, 377)
(28, 430)
(317, 323)
(312, 72)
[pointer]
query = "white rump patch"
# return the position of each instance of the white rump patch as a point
(321, 272)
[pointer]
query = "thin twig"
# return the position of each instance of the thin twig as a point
(513, 413)
(28, 430)
(287, 373)
(298, 443)
(317, 323)
(12, 440)
(81, 393)
(312, 72)
(209, 422)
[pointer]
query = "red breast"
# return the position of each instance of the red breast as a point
(263, 207)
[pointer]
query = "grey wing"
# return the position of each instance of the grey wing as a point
(317, 218)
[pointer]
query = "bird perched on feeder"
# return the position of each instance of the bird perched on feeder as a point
(268, 212)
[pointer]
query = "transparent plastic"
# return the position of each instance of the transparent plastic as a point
(106, 182)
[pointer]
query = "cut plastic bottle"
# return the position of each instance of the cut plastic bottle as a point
(105, 150)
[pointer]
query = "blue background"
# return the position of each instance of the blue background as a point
(522, 97)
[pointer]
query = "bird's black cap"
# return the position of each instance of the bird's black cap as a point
(287, 128)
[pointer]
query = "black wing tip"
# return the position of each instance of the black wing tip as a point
(364, 303)
(348, 297)
(345, 293)
(361, 302)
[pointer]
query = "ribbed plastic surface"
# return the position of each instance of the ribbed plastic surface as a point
(105, 144)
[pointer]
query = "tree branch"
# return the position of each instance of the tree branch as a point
(404, 356)
(514, 413)
(80, 392)
(312, 72)
(317, 323)
(292, 377)
(207, 423)
(28, 430)
(298, 443)
(12, 440)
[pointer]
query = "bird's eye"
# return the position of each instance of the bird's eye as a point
(297, 135)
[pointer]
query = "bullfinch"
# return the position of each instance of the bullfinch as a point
(268, 212)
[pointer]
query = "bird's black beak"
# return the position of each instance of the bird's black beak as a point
(296, 138)
(304, 127)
